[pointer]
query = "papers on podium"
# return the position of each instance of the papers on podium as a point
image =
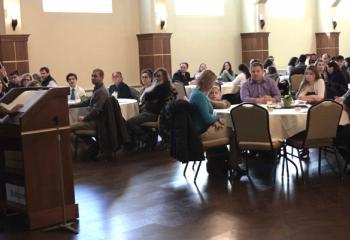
(26, 99)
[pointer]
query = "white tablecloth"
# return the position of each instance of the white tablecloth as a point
(284, 123)
(226, 88)
(128, 107)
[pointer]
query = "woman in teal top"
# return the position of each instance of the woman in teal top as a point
(227, 74)
(204, 117)
(210, 126)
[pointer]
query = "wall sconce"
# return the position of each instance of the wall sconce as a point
(162, 23)
(14, 23)
(334, 23)
(261, 22)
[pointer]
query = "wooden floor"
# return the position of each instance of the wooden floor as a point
(145, 196)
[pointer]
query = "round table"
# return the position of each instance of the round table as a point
(226, 88)
(284, 123)
(128, 107)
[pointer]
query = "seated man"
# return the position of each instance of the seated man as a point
(47, 79)
(75, 92)
(258, 89)
(95, 103)
(119, 88)
(215, 98)
(182, 75)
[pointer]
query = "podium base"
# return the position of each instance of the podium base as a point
(63, 226)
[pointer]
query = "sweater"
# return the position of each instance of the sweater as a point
(203, 116)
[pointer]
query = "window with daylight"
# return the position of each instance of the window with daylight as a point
(78, 6)
(200, 7)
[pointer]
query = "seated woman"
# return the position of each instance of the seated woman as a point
(312, 88)
(154, 101)
(243, 75)
(226, 73)
(205, 122)
(215, 98)
(201, 69)
(291, 64)
(271, 72)
(320, 67)
(147, 84)
(337, 84)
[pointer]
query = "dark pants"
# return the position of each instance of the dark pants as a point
(135, 130)
(343, 140)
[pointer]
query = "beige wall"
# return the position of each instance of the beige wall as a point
(212, 40)
(291, 37)
(343, 27)
(68, 42)
(73, 42)
(344, 38)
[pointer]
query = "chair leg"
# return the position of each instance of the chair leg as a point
(194, 164)
(276, 160)
(337, 160)
(247, 163)
(199, 166)
(284, 159)
(346, 167)
(319, 160)
(76, 142)
(301, 167)
(184, 173)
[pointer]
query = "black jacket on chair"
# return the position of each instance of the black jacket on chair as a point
(185, 142)
(111, 128)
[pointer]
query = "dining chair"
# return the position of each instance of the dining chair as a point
(295, 81)
(321, 129)
(252, 131)
(180, 89)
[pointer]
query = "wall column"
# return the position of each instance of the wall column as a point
(154, 50)
(254, 39)
(154, 42)
(327, 39)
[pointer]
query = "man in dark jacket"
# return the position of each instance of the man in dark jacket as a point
(119, 88)
(95, 103)
(182, 75)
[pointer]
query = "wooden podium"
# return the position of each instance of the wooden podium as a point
(30, 176)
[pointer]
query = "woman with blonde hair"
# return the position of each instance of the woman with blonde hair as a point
(205, 123)
(312, 88)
